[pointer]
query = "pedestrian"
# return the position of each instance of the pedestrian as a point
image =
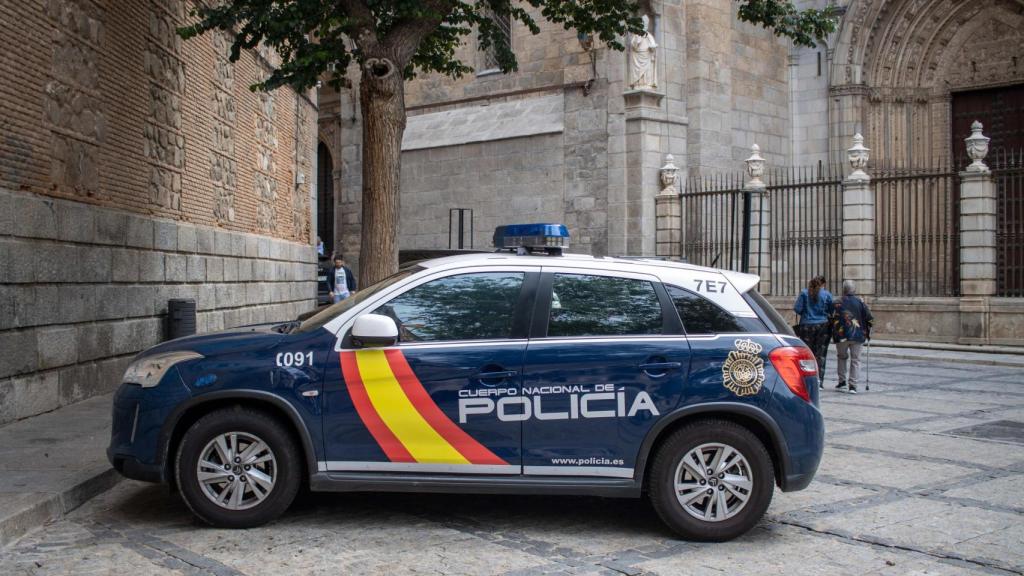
(851, 327)
(341, 282)
(319, 246)
(812, 306)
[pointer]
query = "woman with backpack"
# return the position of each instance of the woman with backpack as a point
(851, 327)
(813, 306)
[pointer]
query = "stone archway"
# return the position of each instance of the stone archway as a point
(325, 202)
(897, 63)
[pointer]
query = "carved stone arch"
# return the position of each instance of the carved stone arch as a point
(897, 63)
(986, 53)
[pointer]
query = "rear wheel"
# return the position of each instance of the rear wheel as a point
(711, 480)
(238, 468)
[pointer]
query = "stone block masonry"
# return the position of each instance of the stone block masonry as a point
(84, 288)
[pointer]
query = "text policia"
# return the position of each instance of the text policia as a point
(513, 405)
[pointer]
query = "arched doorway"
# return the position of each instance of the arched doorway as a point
(325, 197)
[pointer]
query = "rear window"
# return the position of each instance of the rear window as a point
(702, 316)
(776, 323)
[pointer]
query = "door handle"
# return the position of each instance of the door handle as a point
(499, 375)
(660, 366)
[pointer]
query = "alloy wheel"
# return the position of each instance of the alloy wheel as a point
(236, 470)
(713, 482)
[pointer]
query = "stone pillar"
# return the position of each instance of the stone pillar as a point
(759, 257)
(977, 241)
(859, 221)
(668, 211)
(645, 127)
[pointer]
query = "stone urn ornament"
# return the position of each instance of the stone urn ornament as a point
(858, 157)
(642, 73)
(755, 168)
(977, 148)
(669, 176)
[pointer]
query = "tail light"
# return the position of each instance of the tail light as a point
(794, 364)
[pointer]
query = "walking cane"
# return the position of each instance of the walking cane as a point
(867, 367)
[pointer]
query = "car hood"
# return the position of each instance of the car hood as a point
(255, 337)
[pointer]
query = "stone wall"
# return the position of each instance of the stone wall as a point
(487, 178)
(83, 289)
(932, 319)
(137, 167)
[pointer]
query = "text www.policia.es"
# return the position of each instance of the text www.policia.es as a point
(587, 461)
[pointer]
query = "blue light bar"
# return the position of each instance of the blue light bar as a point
(551, 238)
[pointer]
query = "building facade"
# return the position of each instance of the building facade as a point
(136, 167)
(566, 138)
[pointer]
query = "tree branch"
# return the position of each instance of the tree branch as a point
(404, 39)
(365, 29)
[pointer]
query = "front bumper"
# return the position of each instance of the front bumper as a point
(130, 467)
(137, 448)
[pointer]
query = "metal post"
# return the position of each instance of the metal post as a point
(745, 250)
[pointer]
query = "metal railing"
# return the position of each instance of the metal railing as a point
(804, 208)
(807, 226)
(712, 222)
(917, 250)
(1008, 172)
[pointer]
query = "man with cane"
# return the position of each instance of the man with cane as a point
(851, 327)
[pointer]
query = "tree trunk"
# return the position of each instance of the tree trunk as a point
(382, 100)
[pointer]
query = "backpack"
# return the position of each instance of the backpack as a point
(845, 326)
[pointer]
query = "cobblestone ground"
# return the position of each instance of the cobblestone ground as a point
(922, 475)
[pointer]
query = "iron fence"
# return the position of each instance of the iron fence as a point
(1008, 172)
(713, 222)
(807, 226)
(804, 208)
(916, 230)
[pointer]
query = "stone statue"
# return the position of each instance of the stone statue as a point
(642, 72)
(669, 176)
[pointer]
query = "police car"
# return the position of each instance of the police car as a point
(520, 371)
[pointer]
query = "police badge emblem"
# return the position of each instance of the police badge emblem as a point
(743, 371)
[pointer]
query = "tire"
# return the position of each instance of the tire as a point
(707, 438)
(249, 427)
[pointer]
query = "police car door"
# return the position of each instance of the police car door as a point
(606, 358)
(427, 403)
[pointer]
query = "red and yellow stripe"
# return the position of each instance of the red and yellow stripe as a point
(400, 415)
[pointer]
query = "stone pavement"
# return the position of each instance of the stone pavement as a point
(50, 464)
(922, 475)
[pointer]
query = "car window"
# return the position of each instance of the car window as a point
(476, 306)
(331, 312)
(584, 305)
(702, 316)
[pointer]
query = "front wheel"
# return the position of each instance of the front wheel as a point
(238, 468)
(711, 480)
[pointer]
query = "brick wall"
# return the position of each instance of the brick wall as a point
(105, 105)
(137, 167)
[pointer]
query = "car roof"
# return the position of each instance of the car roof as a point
(742, 281)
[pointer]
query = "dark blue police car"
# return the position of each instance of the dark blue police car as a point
(499, 372)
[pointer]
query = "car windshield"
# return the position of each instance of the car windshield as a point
(327, 314)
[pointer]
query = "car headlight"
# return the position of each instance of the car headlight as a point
(147, 372)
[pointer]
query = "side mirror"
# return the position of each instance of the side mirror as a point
(374, 330)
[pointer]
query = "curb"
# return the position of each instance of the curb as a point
(42, 508)
(943, 347)
(899, 355)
